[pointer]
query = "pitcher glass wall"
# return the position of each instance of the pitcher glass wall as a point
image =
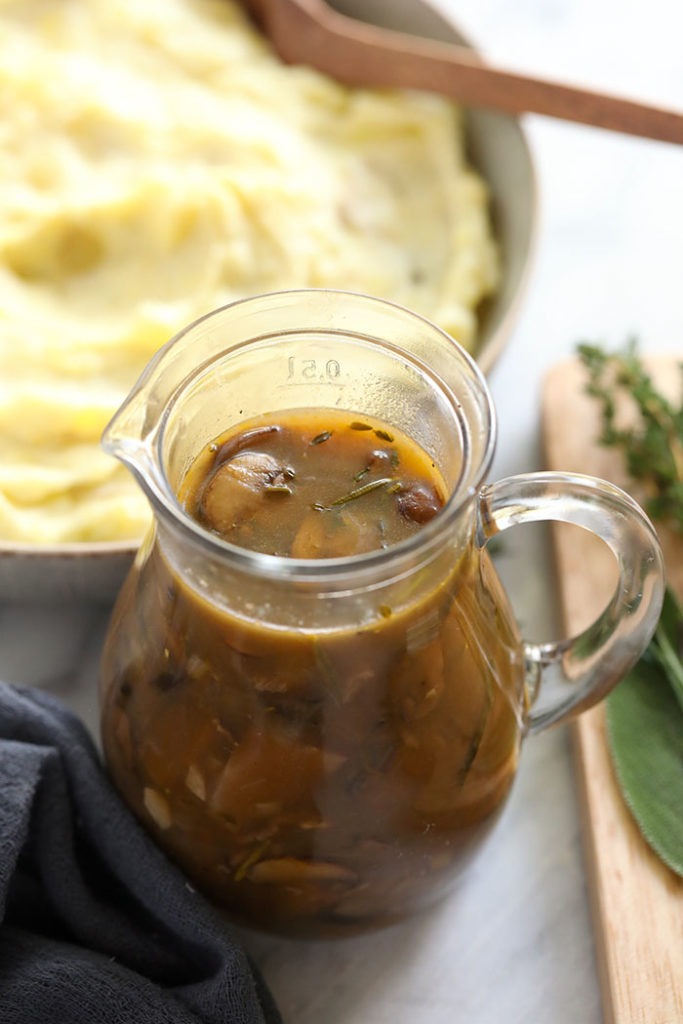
(322, 743)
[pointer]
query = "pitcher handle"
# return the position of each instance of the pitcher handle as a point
(578, 672)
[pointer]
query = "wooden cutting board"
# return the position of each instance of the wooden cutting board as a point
(637, 901)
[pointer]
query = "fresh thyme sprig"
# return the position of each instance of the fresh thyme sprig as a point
(652, 446)
(389, 482)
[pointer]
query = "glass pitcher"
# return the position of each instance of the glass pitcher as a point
(322, 743)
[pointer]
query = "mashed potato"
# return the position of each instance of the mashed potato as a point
(158, 161)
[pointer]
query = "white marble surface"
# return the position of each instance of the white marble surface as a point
(514, 943)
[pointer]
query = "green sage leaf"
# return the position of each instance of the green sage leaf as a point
(645, 734)
(667, 645)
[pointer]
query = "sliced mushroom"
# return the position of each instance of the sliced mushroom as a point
(194, 780)
(418, 502)
(292, 871)
(333, 534)
(235, 489)
(157, 807)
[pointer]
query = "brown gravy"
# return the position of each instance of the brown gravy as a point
(313, 484)
(312, 782)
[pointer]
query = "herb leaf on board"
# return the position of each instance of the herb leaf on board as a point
(667, 646)
(645, 733)
(652, 446)
(645, 711)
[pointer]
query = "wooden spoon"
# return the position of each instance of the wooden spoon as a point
(311, 32)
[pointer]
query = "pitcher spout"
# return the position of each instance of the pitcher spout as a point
(131, 434)
(130, 437)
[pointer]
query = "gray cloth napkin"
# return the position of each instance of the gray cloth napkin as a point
(96, 926)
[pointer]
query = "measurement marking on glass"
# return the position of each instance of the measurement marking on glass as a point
(315, 370)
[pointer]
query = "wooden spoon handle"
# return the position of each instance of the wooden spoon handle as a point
(359, 54)
(478, 85)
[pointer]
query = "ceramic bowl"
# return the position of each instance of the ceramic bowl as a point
(497, 147)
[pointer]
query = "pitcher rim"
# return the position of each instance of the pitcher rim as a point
(164, 500)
